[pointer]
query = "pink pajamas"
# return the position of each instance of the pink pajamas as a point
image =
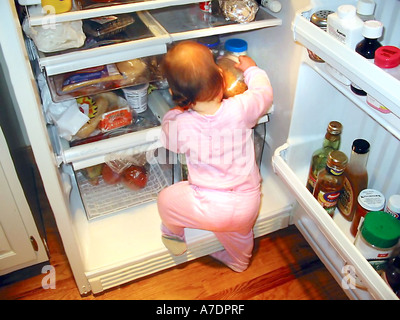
(222, 193)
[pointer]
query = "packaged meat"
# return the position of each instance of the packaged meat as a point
(107, 26)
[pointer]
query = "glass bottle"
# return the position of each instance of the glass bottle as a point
(372, 31)
(318, 159)
(330, 181)
(355, 179)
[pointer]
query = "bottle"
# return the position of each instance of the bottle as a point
(330, 181)
(56, 6)
(372, 31)
(237, 47)
(213, 43)
(318, 158)
(392, 272)
(355, 179)
(273, 5)
(393, 206)
(319, 18)
(365, 10)
(346, 26)
(388, 59)
(368, 200)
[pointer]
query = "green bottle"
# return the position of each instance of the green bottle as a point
(318, 159)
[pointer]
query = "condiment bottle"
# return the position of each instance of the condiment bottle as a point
(355, 179)
(377, 238)
(330, 181)
(345, 25)
(365, 9)
(319, 18)
(319, 156)
(368, 200)
(393, 206)
(388, 59)
(392, 272)
(372, 31)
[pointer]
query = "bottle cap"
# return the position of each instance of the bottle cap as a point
(346, 11)
(365, 7)
(319, 18)
(371, 200)
(360, 146)
(274, 6)
(381, 229)
(394, 203)
(372, 29)
(236, 45)
(335, 127)
(387, 57)
(337, 160)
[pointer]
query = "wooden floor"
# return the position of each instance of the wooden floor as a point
(284, 267)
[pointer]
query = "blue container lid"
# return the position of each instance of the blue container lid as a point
(236, 45)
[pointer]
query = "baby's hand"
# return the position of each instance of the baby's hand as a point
(245, 62)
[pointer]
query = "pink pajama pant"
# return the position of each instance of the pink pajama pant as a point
(229, 214)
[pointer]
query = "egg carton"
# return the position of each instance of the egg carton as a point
(104, 199)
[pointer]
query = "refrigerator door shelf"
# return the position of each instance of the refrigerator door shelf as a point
(37, 16)
(372, 79)
(187, 22)
(334, 248)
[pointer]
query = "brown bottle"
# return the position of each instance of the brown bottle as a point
(330, 181)
(355, 179)
(318, 159)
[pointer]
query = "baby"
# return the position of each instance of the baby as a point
(222, 193)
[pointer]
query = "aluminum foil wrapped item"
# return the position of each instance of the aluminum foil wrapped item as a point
(241, 11)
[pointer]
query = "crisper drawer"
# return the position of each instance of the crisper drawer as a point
(317, 105)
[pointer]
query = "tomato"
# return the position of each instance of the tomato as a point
(135, 177)
(109, 175)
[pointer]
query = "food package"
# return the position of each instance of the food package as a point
(233, 77)
(241, 11)
(132, 70)
(57, 36)
(115, 119)
(107, 26)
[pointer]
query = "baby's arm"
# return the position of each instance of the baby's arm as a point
(244, 63)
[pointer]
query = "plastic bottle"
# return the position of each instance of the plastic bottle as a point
(330, 181)
(388, 59)
(346, 26)
(319, 156)
(273, 5)
(392, 272)
(393, 206)
(365, 9)
(355, 179)
(368, 200)
(58, 6)
(372, 31)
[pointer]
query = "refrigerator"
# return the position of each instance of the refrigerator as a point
(123, 243)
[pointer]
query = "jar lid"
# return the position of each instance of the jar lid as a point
(360, 146)
(338, 160)
(394, 203)
(319, 18)
(236, 45)
(365, 7)
(381, 229)
(210, 42)
(346, 11)
(387, 57)
(371, 200)
(372, 29)
(335, 127)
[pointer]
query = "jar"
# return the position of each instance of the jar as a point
(393, 206)
(319, 18)
(377, 238)
(368, 200)
(233, 77)
(212, 43)
(237, 47)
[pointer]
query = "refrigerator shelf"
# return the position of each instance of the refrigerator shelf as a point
(379, 84)
(104, 199)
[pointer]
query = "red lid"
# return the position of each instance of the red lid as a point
(387, 57)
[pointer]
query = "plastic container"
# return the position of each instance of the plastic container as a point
(388, 59)
(56, 6)
(273, 5)
(136, 96)
(234, 80)
(365, 9)
(368, 200)
(393, 206)
(377, 238)
(205, 6)
(346, 26)
(237, 47)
